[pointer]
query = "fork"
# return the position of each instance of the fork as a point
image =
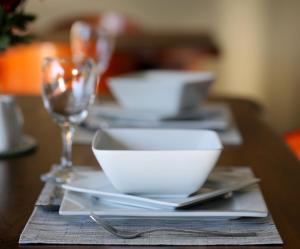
(124, 234)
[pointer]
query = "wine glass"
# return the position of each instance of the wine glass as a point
(68, 89)
(92, 40)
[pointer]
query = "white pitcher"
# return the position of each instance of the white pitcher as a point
(11, 122)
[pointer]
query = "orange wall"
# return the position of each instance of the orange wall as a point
(20, 66)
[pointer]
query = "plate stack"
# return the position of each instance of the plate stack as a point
(227, 193)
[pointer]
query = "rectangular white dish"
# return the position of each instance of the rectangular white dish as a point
(165, 91)
(156, 161)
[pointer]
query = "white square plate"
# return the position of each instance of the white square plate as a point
(220, 182)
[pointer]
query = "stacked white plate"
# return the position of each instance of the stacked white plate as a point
(207, 116)
(228, 193)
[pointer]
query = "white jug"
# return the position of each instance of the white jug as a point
(11, 122)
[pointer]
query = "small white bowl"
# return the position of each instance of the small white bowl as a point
(157, 162)
(163, 91)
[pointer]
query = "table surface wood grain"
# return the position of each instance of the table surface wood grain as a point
(263, 150)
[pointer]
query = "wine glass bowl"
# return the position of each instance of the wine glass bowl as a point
(68, 89)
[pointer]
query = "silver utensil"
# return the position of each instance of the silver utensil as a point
(125, 234)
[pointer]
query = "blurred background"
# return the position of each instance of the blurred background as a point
(253, 45)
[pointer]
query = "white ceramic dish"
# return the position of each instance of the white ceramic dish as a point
(165, 92)
(157, 161)
(246, 203)
(220, 182)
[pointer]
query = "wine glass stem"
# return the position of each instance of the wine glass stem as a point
(67, 139)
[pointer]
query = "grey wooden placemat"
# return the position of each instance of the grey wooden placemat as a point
(229, 136)
(48, 227)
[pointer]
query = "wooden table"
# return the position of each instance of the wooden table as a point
(264, 150)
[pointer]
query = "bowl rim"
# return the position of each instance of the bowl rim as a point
(219, 146)
(146, 78)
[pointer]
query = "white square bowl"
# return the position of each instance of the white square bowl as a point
(164, 91)
(157, 162)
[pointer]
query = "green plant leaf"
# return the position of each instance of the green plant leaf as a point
(15, 39)
(4, 42)
(9, 21)
(20, 20)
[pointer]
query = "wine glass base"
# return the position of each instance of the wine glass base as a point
(58, 174)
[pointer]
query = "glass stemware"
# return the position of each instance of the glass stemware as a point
(69, 85)
(68, 89)
(94, 41)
